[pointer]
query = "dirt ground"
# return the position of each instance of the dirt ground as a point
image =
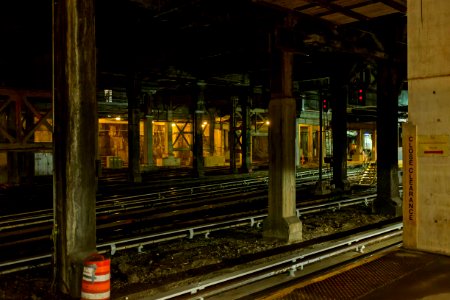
(186, 260)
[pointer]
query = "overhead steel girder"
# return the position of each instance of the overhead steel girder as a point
(20, 135)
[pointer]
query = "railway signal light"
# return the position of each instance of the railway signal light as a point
(325, 105)
(361, 96)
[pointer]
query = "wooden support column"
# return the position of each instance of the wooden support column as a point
(282, 222)
(388, 196)
(75, 117)
(339, 128)
(246, 166)
(134, 151)
(198, 131)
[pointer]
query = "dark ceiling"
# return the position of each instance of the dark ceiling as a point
(177, 42)
(340, 12)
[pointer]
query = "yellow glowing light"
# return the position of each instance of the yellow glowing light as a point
(173, 124)
(118, 119)
(267, 122)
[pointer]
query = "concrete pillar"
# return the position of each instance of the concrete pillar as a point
(426, 160)
(232, 135)
(148, 141)
(134, 151)
(75, 116)
(198, 164)
(339, 128)
(282, 222)
(246, 166)
(388, 196)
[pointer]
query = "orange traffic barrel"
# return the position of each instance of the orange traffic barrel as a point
(96, 278)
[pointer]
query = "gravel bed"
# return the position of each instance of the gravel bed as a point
(166, 265)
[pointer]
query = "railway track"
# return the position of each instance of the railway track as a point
(142, 217)
(138, 240)
(264, 274)
(170, 196)
(144, 212)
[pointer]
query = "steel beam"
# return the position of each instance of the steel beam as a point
(339, 129)
(198, 131)
(389, 81)
(134, 149)
(246, 166)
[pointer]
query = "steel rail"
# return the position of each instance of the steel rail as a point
(206, 229)
(119, 204)
(289, 263)
(115, 200)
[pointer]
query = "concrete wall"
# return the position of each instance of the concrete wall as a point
(429, 111)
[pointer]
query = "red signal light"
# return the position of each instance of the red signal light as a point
(325, 104)
(361, 95)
